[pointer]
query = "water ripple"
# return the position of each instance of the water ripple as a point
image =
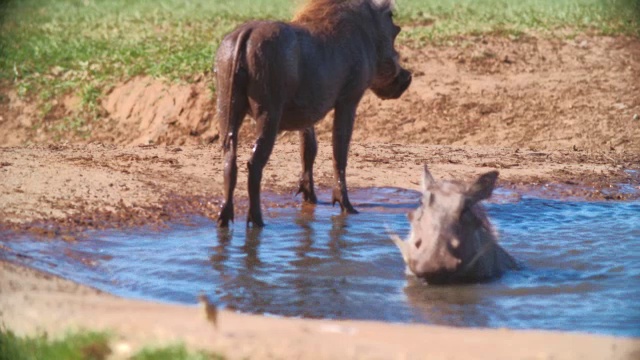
(580, 265)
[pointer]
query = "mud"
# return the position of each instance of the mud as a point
(62, 190)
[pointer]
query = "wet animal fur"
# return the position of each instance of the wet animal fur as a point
(452, 240)
(288, 76)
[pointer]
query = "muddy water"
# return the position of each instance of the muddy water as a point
(581, 265)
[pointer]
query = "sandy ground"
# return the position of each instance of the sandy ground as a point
(34, 301)
(555, 117)
(66, 188)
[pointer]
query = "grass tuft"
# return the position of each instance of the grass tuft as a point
(176, 352)
(436, 21)
(80, 346)
(85, 346)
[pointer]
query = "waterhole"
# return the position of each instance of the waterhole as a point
(580, 265)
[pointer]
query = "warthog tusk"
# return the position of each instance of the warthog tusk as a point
(401, 244)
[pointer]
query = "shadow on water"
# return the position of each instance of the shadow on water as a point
(581, 265)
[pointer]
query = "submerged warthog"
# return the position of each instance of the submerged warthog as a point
(451, 239)
(288, 76)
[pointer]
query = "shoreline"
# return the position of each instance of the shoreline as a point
(30, 296)
(54, 191)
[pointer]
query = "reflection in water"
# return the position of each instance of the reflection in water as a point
(305, 218)
(581, 265)
(460, 305)
(250, 248)
(220, 252)
(337, 234)
(302, 287)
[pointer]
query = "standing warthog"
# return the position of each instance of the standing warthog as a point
(451, 238)
(288, 76)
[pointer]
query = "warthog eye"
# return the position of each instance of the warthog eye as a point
(418, 243)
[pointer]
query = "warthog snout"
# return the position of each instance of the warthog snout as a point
(396, 87)
(451, 238)
(437, 268)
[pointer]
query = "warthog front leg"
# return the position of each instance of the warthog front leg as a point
(342, 128)
(308, 152)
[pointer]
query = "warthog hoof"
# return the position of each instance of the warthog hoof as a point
(345, 204)
(308, 195)
(225, 215)
(255, 218)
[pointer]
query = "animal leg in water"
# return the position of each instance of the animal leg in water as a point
(230, 180)
(308, 152)
(342, 129)
(268, 128)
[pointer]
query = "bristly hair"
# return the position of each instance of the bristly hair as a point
(389, 4)
(328, 16)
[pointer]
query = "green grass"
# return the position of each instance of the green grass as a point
(438, 20)
(54, 47)
(176, 352)
(78, 346)
(72, 40)
(85, 346)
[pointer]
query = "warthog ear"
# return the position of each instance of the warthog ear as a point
(427, 179)
(482, 188)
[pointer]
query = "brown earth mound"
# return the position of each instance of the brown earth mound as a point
(150, 111)
(530, 92)
(526, 92)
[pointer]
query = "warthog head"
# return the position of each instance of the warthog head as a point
(451, 237)
(391, 80)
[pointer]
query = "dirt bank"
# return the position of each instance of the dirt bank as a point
(540, 93)
(35, 301)
(59, 189)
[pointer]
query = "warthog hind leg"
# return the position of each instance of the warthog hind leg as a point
(268, 129)
(342, 129)
(230, 179)
(308, 151)
(230, 149)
